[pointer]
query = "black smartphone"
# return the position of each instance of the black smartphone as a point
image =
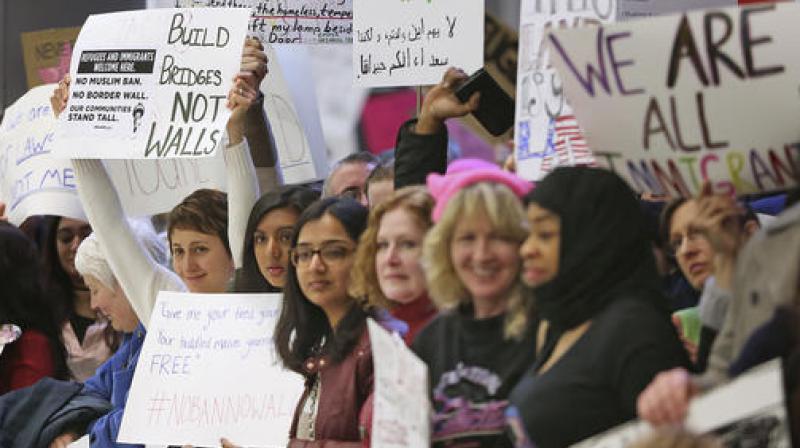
(496, 108)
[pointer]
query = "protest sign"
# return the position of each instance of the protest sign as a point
(749, 411)
(47, 54)
(208, 369)
(288, 95)
(547, 134)
(152, 83)
(32, 181)
(412, 42)
(291, 21)
(400, 415)
(673, 101)
(637, 9)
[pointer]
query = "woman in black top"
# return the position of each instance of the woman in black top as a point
(605, 329)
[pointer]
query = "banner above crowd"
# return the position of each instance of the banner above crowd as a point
(671, 102)
(291, 21)
(413, 42)
(152, 84)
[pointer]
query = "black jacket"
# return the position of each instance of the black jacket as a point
(418, 155)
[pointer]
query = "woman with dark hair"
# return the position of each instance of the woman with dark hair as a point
(605, 328)
(268, 238)
(38, 352)
(322, 332)
(89, 342)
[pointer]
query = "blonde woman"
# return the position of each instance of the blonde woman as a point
(481, 344)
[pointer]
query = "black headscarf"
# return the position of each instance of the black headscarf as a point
(605, 252)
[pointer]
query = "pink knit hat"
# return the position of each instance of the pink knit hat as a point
(465, 172)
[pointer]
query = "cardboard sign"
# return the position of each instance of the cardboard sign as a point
(673, 101)
(413, 42)
(400, 417)
(47, 54)
(207, 370)
(152, 83)
(547, 134)
(32, 181)
(292, 21)
(749, 411)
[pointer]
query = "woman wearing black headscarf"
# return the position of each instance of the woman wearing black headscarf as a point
(605, 329)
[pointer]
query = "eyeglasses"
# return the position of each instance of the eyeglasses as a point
(676, 242)
(330, 253)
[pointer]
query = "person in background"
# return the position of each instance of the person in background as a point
(482, 341)
(388, 268)
(348, 177)
(605, 328)
(38, 353)
(380, 184)
(268, 239)
(89, 341)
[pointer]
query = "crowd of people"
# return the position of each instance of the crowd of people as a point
(546, 313)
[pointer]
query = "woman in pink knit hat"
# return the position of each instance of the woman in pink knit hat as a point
(482, 342)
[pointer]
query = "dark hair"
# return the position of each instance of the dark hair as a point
(23, 301)
(359, 157)
(59, 289)
(249, 278)
(303, 329)
(204, 211)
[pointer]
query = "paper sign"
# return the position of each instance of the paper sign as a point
(750, 411)
(291, 106)
(636, 9)
(207, 370)
(400, 417)
(547, 134)
(413, 42)
(47, 53)
(292, 21)
(152, 84)
(673, 101)
(32, 181)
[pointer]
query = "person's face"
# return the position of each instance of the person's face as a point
(540, 251)
(380, 191)
(485, 261)
(201, 261)
(272, 240)
(692, 251)
(397, 260)
(349, 180)
(323, 258)
(112, 304)
(69, 235)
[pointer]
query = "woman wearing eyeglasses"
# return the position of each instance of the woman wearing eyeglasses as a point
(268, 238)
(321, 332)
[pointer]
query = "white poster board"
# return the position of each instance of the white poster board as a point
(207, 370)
(151, 83)
(292, 21)
(547, 134)
(667, 106)
(290, 103)
(400, 417)
(413, 42)
(749, 411)
(32, 181)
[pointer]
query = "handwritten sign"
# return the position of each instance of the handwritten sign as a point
(749, 411)
(208, 369)
(400, 416)
(292, 21)
(47, 54)
(32, 181)
(152, 83)
(673, 101)
(291, 106)
(412, 42)
(547, 134)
